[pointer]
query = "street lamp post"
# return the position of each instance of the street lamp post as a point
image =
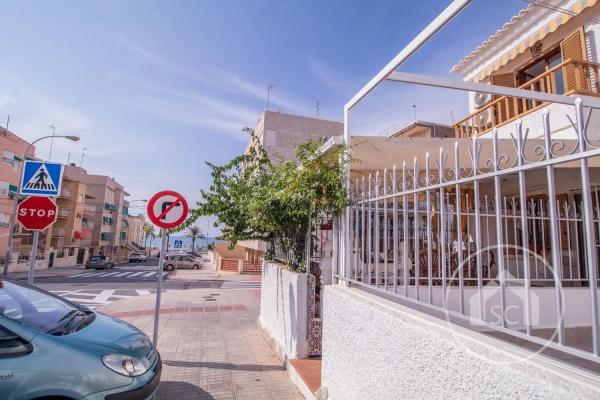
(13, 216)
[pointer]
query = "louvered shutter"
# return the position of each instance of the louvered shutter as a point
(506, 108)
(573, 48)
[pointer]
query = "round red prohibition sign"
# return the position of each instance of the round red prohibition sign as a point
(167, 209)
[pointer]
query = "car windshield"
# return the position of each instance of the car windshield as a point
(97, 258)
(34, 308)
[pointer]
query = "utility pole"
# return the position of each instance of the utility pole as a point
(53, 128)
(270, 87)
(207, 228)
(318, 107)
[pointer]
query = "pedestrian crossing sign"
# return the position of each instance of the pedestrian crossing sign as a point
(41, 178)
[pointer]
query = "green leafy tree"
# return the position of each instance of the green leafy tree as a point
(256, 199)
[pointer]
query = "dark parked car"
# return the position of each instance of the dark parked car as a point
(99, 262)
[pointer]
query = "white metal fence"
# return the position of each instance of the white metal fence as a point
(520, 228)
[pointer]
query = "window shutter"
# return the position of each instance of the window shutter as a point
(573, 48)
(506, 108)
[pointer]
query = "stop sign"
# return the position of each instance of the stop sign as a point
(36, 213)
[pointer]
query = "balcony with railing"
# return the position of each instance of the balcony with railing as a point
(59, 232)
(65, 194)
(87, 225)
(62, 213)
(89, 209)
(568, 78)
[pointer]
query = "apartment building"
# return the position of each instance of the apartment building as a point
(551, 49)
(279, 134)
(12, 149)
(105, 213)
(135, 231)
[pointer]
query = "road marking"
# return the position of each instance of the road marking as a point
(93, 299)
(149, 274)
(109, 274)
(121, 274)
(136, 274)
(240, 285)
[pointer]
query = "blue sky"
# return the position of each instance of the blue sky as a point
(156, 88)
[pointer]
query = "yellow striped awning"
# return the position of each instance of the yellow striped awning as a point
(550, 27)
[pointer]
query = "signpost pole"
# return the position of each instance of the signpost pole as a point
(161, 258)
(32, 257)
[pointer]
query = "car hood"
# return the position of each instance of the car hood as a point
(111, 335)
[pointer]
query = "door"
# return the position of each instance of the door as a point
(51, 260)
(80, 256)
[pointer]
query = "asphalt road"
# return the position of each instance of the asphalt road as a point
(94, 288)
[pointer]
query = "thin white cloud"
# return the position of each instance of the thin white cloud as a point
(221, 79)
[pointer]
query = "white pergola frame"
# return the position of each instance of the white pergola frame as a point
(388, 73)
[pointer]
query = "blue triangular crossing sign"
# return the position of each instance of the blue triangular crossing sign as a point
(41, 178)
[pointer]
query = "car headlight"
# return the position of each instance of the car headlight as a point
(125, 365)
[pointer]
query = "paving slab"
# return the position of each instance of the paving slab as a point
(210, 345)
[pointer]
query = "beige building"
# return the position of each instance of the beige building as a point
(12, 149)
(135, 231)
(107, 211)
(71, 233)
(280, 133)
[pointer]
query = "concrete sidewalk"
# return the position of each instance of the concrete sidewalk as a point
(210, 345)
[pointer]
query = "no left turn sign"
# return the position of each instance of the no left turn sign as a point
(167, 209)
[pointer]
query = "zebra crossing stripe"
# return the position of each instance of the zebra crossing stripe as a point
(108, 274)
(136, 274)
(122, 274)
(149, 274)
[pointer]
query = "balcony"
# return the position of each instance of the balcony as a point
(62, 213)
(89, 209)
(568, 78)
(59, 232)
(65, 194)
(87, 225)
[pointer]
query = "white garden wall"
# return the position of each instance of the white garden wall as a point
(283, 310)
(376, 349)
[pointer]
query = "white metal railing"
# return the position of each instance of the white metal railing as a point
(508, 243)
(89, 208)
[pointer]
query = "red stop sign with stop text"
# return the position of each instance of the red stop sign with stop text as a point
(37, 213)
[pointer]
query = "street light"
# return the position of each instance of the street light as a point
(18, 196)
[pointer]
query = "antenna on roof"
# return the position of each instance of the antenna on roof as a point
(452, 116)
(270, 87)
(5, 130)
(82, 155)
(414, 106)
(53, 128)
(318, 107)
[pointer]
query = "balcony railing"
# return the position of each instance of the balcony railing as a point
(89, 209)
(65, 194)
(87, 225)
(569, 77)
(59, 232)
(63, 213)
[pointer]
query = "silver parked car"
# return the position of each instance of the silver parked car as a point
(181, 261)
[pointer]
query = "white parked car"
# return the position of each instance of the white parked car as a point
(137, 257)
